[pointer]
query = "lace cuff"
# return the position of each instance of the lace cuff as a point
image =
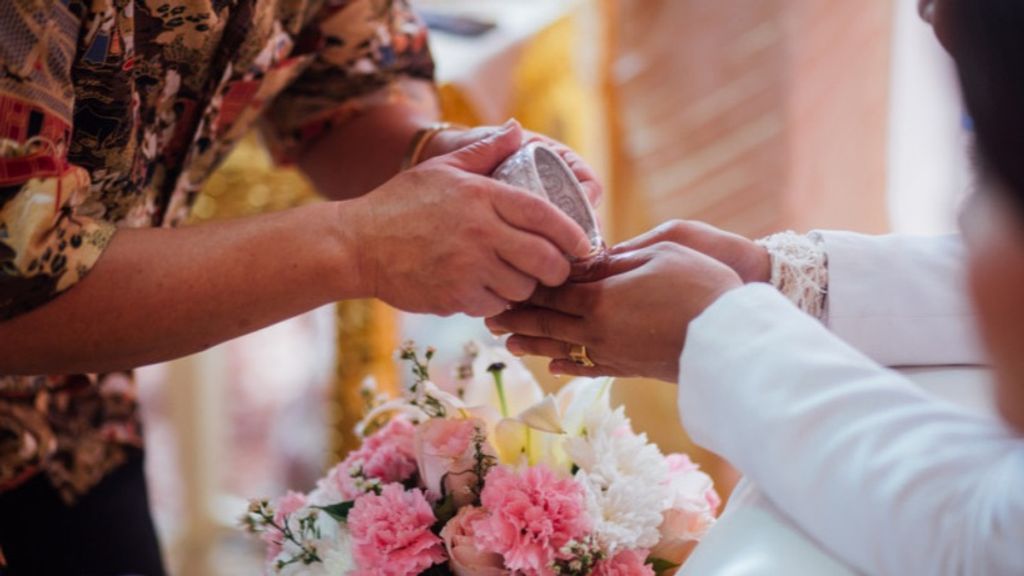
(800, 270)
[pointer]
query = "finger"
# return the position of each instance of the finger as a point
(483, 156)
(571, 299)
(585, 174)
(594, 191)
(561, 367)
(529, 213)
(527, 346)
(535, 257)
(670, 231)
(510, 284)
(485, 304)
(606, 265)
(540, 323)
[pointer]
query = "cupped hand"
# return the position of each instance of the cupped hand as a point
(633, 321)
(748, 259)
(445, 238)
(450, 140)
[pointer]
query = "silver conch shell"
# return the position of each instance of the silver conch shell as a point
(540, 170)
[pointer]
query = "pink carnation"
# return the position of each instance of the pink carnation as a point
(388, 456)
(532, 515)
(391, 533)
(285, 506)
(625, 563)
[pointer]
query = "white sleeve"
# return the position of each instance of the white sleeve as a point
(889, 479)
(902, 300)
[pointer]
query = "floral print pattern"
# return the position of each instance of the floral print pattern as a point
(112, 114)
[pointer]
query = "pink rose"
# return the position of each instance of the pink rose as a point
(532, 515)
(446, 451)
(464, 556)
(391, 533)
(625, 563)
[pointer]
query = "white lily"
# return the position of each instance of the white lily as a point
(518, 388)
(538, 434)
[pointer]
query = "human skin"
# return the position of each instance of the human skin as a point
(442, 238)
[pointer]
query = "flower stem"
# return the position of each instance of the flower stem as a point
(496, 371)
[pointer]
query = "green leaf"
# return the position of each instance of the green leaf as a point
(338, 511)
(661, 566)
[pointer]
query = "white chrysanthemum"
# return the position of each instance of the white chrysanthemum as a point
(339, 562)
(625, 481)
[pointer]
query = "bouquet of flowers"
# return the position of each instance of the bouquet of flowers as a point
(485, 475)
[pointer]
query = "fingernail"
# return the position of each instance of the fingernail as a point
(501, 130)
(514, 347)
(508, 126)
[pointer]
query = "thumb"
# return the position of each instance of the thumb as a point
(483, 156)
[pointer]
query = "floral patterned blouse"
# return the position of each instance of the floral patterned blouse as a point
(112, 114)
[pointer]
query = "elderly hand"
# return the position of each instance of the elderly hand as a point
(450, 140)
(633, 321)
(444, 237)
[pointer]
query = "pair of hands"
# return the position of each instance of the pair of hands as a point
(445, 238)
(632, 308)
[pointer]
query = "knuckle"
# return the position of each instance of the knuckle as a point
(469, 189)
(668, 248)
(545, 325)
(676, 229)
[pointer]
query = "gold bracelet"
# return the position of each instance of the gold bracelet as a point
(419, 143)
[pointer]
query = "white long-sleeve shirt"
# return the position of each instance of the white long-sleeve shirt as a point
(886, 477)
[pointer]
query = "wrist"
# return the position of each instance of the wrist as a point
(349, 261)
(426, 143)
(759, 265)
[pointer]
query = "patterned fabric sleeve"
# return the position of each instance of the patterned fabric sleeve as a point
(48, 241)
(359, 47)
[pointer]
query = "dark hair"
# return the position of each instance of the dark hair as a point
(988, 46)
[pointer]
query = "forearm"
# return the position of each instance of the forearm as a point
(844, 446)
(158, 294)
(902, 300)
(367, 150)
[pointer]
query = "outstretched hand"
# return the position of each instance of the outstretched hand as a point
(632, 316)
(748, 259)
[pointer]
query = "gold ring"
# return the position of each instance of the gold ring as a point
(579, 355)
